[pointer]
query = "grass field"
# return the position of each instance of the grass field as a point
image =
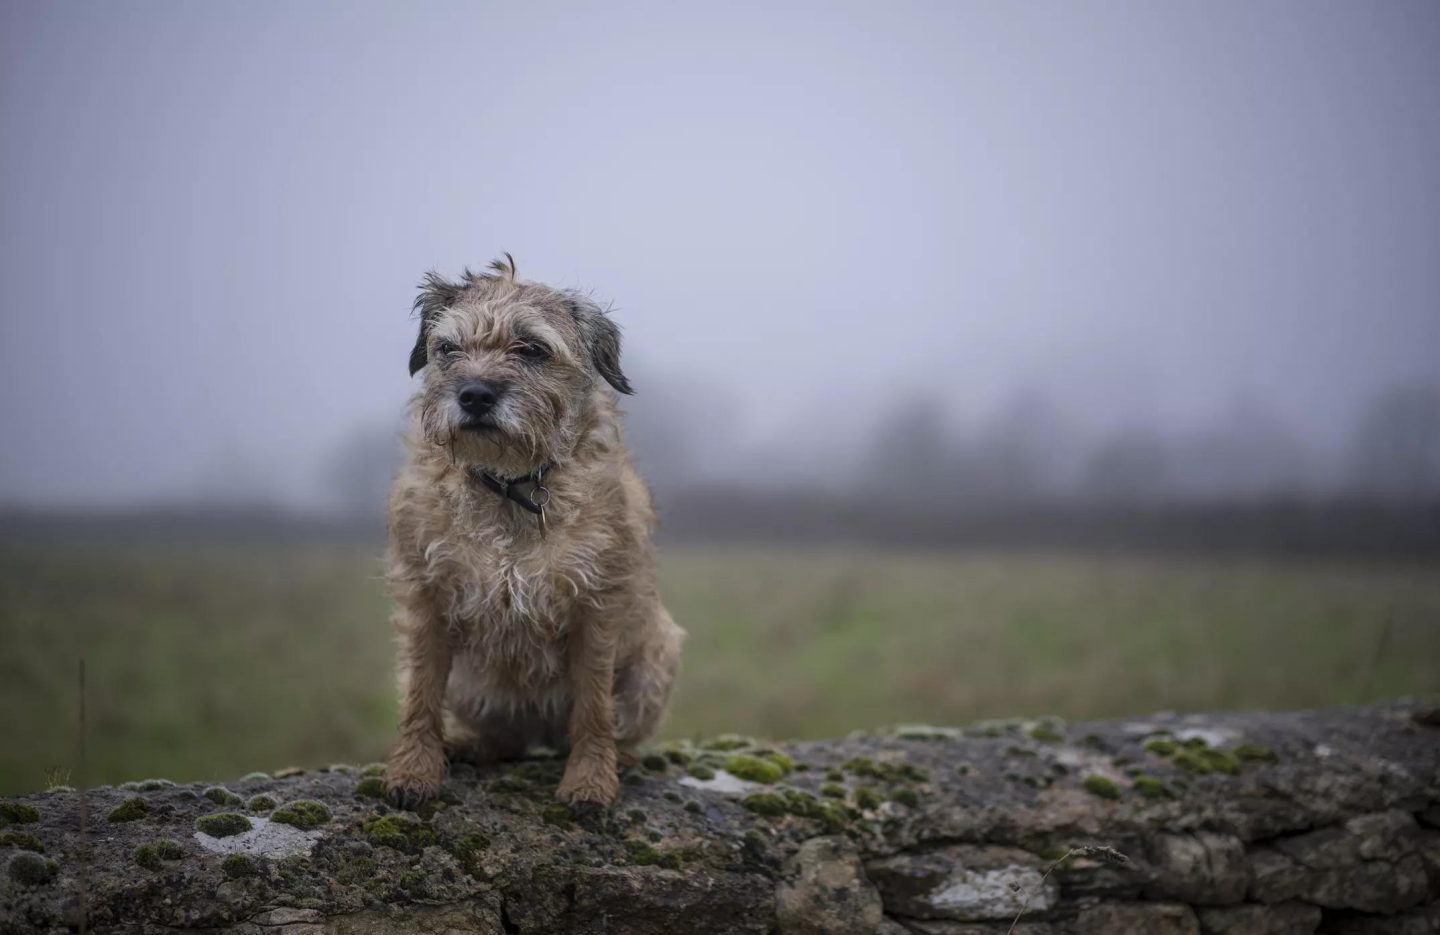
(208, 663)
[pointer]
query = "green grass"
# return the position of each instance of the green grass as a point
(209, 663)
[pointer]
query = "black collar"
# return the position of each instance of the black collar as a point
(528, 491)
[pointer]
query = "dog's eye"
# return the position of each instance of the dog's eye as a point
(446, 348)
(533, 351)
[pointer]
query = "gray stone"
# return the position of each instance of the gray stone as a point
(825, 892)
(1137, 919)
(1202, 868)
(964, 882)
(492, 854)
(1253, 919)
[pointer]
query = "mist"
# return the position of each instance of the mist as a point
(1116, 249)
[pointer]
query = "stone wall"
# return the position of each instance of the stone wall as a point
(1241, 824)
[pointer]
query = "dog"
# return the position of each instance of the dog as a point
(520, 558)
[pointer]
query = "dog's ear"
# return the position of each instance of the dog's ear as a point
(602, 341)
(436, 295)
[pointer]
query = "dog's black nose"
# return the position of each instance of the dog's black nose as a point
(479, 397)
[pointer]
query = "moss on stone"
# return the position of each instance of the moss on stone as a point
(255, 777)
(867, 798)
(779, 758)
(1149, 787)
(510, 782)
(770, 804)
(239, 866)
(32, 869)
(145, 856)
(728, 742)
(1036, 781)
(1194, 743)
(693, 805)
(637, 816)
(399, 833)
(678, 756)
(261, 803)
(302, 813)
(222, 796)
(18, 813)
(371, 787)
(1046, 734)
(1204, 760)
(557, 815)
(1018, 750)
(22, 840)
(906, 796)
(1099, 785)
(373, 769)
(468, 849)
(753, 844)
(289, 772)
(1161, 746)
(754, 768)
(150, 854)
(633, 778)
(129, 810)
(223, 824)
(646, 855)
(655, 762)
(833, 790)
(358, 869)
(887, 772)
(701, 772)
(802, 767)
(1254, 751)
(155, 785)
(834, 775)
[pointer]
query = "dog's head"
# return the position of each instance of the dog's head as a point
(513, 369)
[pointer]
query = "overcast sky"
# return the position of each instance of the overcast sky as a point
(214, 214)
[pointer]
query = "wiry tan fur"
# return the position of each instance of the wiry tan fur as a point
(508, 638)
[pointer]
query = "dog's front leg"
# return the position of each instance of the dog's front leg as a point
(590, 776)
(417, 764)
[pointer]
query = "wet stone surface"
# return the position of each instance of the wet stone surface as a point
(1231, 824)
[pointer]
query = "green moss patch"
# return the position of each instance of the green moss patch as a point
(261, 803)
(18, 813)
(150, 854)
(728, 742)
(885, 771)
(557, 815)
(1101, 786)
(129, 810)
(371, 787)
(702, 772)
(693, 805)
(867, 798)
(302, 813)
(1149, 787)
(770, 804)
(1254, 751)
(155, 785)
(655, 762)
(223, 824)
(255, 777)
(222, 796)
(833, 790)
(1161, 746)
(754, 768)
(1205, 760)
(467, 850)
(239, 866)
(1046, 734)
(32, 869)
(373, 769)
(906, 796)
(646, 855)
(400, 833)
(22, 840)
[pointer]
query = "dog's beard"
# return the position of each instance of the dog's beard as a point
(503, 442)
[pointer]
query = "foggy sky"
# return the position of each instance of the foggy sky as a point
(214, 214)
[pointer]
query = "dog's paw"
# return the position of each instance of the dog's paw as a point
(586, 785)
(413, 776)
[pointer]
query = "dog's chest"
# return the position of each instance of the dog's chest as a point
(511, 604)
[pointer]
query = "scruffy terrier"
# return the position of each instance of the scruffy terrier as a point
(520, 551)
